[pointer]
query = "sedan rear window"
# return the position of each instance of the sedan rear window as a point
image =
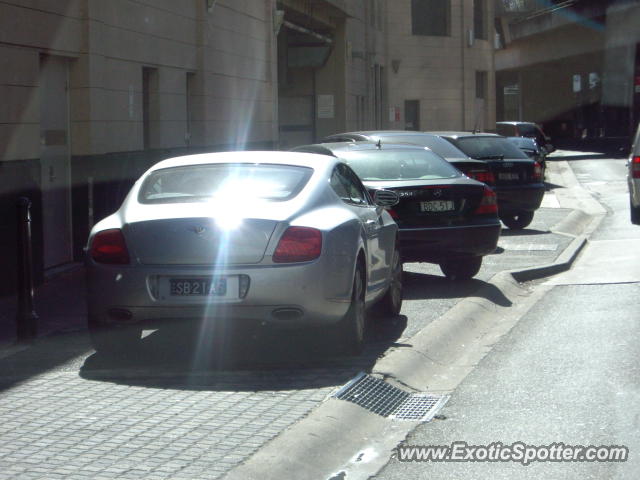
(488, 148)
(397, 164)
(437, 144)
(201, 183)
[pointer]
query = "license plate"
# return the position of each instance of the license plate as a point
(437, 206)
(508, 176)
(189, 287)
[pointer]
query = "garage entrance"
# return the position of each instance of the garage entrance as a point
(311, 72)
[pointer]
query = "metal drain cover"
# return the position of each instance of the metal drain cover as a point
(384, 399)
(420, 407)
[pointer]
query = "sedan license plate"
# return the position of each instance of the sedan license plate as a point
(508, 176)
(188, 287)
(437, 206)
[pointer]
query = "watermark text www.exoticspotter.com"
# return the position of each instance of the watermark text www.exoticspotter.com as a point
(516, 452)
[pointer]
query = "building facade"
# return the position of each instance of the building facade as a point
(94, 92)
(440, 66)
(573, 66)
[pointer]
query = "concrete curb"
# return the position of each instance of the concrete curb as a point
(562, 263)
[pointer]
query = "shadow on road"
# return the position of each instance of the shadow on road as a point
(224, 357)
(525, 232)
(419, 286)
(45, 354)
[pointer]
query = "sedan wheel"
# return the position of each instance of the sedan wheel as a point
(635, 213)
(353, 323)
(391, 303)
(461, 268)
(517, 220)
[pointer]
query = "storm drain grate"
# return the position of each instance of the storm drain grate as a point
(385, 400)
(420, 407)
(374, 394)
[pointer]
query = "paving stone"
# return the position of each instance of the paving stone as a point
(60, 425)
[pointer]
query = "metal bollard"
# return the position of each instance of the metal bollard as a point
(26, 318)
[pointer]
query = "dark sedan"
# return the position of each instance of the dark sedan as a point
(531, 148)
(444, 216)
(471, 167)
(518, 179)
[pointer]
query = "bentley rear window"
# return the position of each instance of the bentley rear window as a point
(202, 183)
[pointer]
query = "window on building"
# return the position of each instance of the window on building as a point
(149, 103)
(189, 104)
(431, 17)
(481, 85)
(480, 19)
(378, 95)
(360, 112)
(375, 14)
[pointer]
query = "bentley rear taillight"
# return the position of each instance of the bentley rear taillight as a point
(635, 167)
(298, 244)
(489, 202)
(109, 247)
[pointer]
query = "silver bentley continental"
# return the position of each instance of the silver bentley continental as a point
(281, 238)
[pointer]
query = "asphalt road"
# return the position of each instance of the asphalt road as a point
(193, 402)
(568, 372)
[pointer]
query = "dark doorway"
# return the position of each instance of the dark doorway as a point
(412, 115)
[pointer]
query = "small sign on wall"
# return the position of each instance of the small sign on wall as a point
(325, 106)
(577, 83)
(394, 114)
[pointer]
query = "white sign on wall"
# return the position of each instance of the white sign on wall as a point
(325, 107)
(577, 83)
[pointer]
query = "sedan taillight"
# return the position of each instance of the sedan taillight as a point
(537, 171)
(482, 176)
(489, 202)
(298, 244)
(635, 167)
(109, 246)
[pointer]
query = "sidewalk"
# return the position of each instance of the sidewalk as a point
(60, 304)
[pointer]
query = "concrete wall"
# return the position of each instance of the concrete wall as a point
(227, 50)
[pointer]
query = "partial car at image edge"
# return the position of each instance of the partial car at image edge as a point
(633, 179)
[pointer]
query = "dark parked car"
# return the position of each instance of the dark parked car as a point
(531, 148)
(528, 130)
(444, 217)
(473, 168)
(518, 179)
